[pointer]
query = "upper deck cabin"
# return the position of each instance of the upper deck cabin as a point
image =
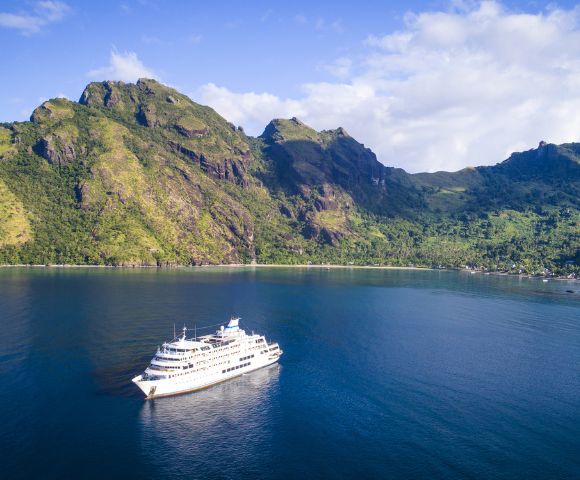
(181, 347)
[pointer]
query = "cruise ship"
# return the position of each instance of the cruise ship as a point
(188, 364)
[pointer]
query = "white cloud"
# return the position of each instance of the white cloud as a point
(340, 68)
(124, 66)
(248, 109)
(462, 87)
(52, 11)
(43, 13)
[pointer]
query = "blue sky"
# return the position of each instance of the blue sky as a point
(427, 85)
(261, 46)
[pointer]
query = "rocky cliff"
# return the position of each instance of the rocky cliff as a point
(138, 174)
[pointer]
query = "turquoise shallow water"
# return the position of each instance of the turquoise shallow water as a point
(386, 374)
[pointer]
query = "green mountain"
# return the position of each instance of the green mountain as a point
(138, 174)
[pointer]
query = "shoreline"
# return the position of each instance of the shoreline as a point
(226, 265)
(300, 266)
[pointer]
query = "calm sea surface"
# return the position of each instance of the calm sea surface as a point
(386, 374)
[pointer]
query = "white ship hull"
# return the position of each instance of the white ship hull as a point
(168, 387)
(185, 365)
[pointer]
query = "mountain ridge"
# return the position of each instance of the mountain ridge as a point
(139, 174)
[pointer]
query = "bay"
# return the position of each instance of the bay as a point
(386, 374)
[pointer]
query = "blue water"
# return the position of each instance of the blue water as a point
(386, 374)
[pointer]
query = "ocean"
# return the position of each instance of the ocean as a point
(385, 374)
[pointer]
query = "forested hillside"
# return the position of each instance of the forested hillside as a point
(138, 174)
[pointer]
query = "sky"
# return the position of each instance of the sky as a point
(428, 86)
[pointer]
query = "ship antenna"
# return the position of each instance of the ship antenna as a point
(195, 331)
(174, 331)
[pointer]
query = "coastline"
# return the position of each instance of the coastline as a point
(227, 265)
(299, 266)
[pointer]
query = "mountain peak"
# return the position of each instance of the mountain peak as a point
(53, 109)
(282, 129)
(110, 93)
(337, 132)
(547, 161)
